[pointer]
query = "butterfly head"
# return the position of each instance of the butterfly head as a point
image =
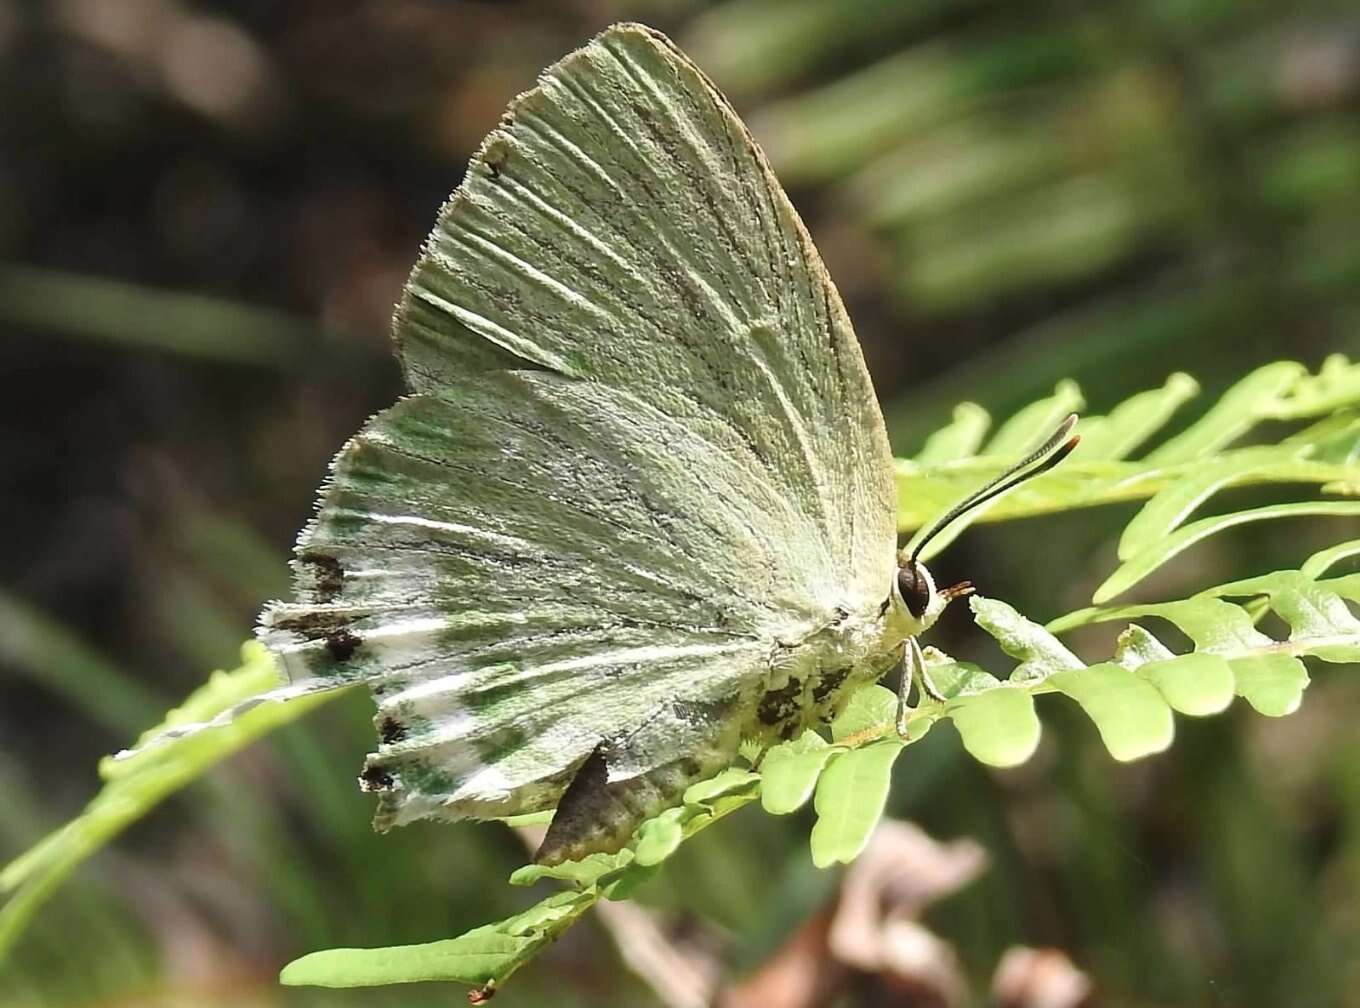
(914, 600)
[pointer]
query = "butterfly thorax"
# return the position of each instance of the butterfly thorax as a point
(810, 680)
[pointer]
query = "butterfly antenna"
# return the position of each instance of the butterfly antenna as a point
(1056, 448)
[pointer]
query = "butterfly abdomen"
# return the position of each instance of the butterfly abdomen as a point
(595, 816)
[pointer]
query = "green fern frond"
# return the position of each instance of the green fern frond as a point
(1180, 475)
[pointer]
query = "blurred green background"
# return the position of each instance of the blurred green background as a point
(206, 211)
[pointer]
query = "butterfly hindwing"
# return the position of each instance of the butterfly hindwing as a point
(519, 575)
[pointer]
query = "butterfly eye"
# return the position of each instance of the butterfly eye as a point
(914, 588)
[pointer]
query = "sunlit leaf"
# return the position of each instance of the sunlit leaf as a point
(1040, 653)
(484, 955)
(790, 771)
(1324, 560)
(1252, 398)
(998, 727)
(582, 874)
(868, 709)
(1158, 553)
(1129, 712)
(733, 780)
(1035, 422)
(1133, 421)
(658, 838)
(1336, 385)
(1196, 684)
(1271, 683)
(849, 801)
(1169, 508)
(473, 958)
(960, 439)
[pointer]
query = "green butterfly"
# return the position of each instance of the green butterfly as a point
(639, 505)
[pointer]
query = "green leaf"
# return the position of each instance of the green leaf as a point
(583, 873)
(1155, 555)
(960, 439)
(658, 838)
(1129, 712)
(998, 727)
(1195, 684)
(485, 955)
(1252, 398)
(622, 885)
(872, 707)
(1137, 648)
(1314, 611)
(1035, 422)
(1334, 439)
(956, 679)
(789, 772)
(850, 799)
(1324, 560)
(474, 958)
(1347, 586)
(545, 914)
(1134, 420)
(1325, 454)
(1271, 683)
(1336, 385)
(1040, 653)
(1170, 507)
(731, 781)
(1211, 623)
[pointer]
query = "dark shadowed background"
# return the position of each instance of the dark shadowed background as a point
(206, 212)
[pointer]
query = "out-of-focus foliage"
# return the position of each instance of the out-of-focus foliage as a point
(132, 787)
(208, 212)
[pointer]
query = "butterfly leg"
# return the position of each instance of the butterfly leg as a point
(914, 672)
(928, 686)
(904, 689)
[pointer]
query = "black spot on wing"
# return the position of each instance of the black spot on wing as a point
(376, 778)
(342, 644)
(328, 577)
(390, 730)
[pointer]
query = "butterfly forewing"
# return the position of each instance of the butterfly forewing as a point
(643, 455)
(622, 226)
